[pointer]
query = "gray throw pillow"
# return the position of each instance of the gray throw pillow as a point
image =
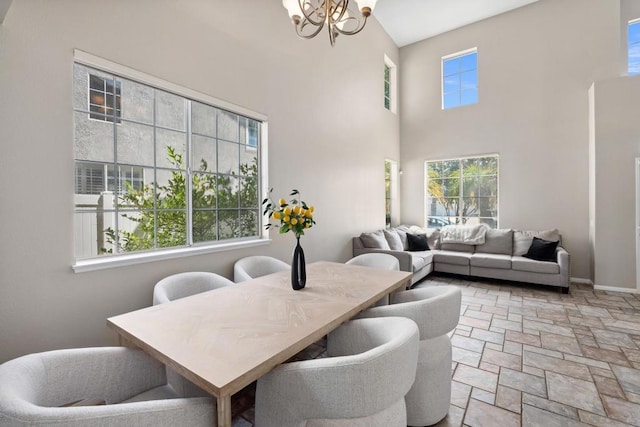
(393, 239)
(402, 233)
(497, 241)
(375, 240)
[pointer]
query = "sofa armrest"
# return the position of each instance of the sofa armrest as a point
(564, 262)
(404, 258)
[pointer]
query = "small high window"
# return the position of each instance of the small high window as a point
(633, 47)
(460, 79)
(390, 85)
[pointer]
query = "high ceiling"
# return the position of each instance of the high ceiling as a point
(408, 21)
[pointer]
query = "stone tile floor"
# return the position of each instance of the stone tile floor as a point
(527, 355)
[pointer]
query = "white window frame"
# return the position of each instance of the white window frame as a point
(98, 263)
(452, 56)
(393, 85)
(460, 159)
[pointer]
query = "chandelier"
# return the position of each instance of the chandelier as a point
(310, 16)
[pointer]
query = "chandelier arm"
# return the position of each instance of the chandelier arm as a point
(308, 17)
(307, 36)
(342, 5)
(352, 32)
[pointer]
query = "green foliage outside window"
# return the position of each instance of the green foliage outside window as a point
(160, 210)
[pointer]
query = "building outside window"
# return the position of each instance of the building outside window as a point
(633, 47)
(462, 191)
(156, 169)
(104, 99)
(460, 79)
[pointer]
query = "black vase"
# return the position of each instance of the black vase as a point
(298, 268)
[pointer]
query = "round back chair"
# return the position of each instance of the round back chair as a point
(256, 266)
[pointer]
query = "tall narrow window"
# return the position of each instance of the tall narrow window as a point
(390, 192)
(462, 191)
(158, 166)
(460, 79)
(390, 85)
(633, 47)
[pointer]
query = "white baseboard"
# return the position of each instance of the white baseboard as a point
(616, 289)
(580, 280)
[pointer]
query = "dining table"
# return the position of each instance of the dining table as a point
(225, 339)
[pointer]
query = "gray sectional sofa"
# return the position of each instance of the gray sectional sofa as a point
(500, 256)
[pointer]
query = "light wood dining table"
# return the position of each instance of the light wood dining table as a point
(225, 339)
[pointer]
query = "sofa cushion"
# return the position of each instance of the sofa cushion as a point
(417, 242)
(497, 241)
(522, 239)
(457, 247)
(525, 264)
(452, 257)
(421, 259)
(491, 260)
(395, 244)
(542, 250)
(374, 240)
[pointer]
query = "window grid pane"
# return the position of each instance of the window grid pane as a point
(462, 191)
(138, 200)
(460, 80)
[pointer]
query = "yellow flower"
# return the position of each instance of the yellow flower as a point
(296, 209)
(282, 202)
(306, 225)
(311, 209)
(287, 211)
(287, 218)
(277, 215)
(308, 214)
(294, 221)
(302, 212)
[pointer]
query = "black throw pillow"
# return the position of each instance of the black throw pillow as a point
(417, 242)
(542, 250)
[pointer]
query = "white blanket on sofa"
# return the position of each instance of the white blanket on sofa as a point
(463, 234)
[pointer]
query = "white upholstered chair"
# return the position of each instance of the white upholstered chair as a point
(436, 311)
(383, 261)
(178, 286)
(256, 266)
(186, 284)
(371, 366)
(36, 389)
(375, 260)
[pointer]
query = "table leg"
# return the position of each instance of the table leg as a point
(224, 411)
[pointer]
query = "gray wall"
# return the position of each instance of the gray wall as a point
(328, 136)
(536, 65)
(617, 144)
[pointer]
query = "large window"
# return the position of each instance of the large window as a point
(462, 191)
(157, 169)
(460, 79)
(633, 45)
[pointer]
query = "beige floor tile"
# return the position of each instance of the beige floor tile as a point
(574, 392)
(480, 414)
(522, 381)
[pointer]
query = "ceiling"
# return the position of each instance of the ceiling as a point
(408, 21)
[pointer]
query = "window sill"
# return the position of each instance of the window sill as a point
(93, 264)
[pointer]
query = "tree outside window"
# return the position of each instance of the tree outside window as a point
(462, 191)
